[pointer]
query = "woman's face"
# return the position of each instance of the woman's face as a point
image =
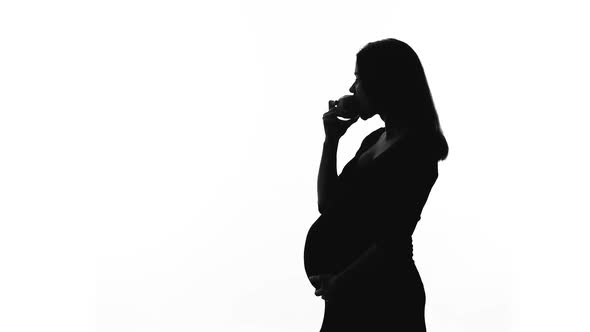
(366, 111)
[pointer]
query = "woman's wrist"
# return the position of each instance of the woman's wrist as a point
(336, 283)
(331, 141)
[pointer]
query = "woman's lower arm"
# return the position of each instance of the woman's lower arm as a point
(327, 176)
(360, 270)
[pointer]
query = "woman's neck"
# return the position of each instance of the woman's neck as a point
(393, 128)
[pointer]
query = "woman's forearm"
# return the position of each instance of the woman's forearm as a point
(360, 270)
(327, 176)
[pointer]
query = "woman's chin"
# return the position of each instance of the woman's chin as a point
(365, 116)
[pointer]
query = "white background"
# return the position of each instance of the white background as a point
(158, 160)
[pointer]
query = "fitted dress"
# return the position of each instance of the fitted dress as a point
(378, 204)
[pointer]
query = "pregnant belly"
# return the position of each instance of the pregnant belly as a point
(332, 244)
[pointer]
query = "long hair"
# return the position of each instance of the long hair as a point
(393, 78)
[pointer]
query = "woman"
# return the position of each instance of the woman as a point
(358, 253)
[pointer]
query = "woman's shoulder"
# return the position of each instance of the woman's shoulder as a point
(374, 135)
(370, 139)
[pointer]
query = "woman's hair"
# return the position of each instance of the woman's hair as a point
(393, 78)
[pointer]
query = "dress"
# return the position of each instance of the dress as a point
(379, 204)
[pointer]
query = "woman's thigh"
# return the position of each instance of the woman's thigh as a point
(375, 313)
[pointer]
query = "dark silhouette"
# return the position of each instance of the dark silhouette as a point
(358, 253)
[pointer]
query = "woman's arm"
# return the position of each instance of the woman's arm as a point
(327, 176)
(364, 266)
(328, 180)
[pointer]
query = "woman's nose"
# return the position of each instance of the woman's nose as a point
(351, 88)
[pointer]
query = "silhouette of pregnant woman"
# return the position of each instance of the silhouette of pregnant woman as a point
(358, 253)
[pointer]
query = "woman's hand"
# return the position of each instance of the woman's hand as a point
(324, 284)
(334, 127)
